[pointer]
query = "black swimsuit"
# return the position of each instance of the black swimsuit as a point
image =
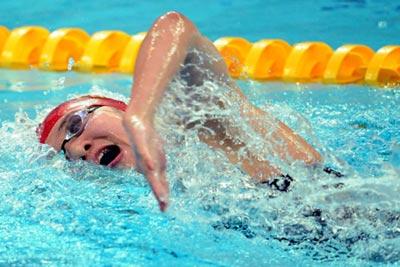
(283, 182)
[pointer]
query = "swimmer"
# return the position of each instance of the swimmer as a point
(118, 135)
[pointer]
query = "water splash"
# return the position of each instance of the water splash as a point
(51, 205)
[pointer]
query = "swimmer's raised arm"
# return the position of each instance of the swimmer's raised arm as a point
(162, 52)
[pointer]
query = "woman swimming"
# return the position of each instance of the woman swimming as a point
(109, 132)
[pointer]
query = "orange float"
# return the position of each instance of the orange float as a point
(103, 51)
(4, 32)
(128, 59)
(61, 46)
(266, 59)
(348, 64)
(234, 50)
(307, 62)
(23, 47)
(384, 67)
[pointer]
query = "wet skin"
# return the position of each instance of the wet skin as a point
(160, 57)
(103, 128)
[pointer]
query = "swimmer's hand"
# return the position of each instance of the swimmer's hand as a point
(149, 154)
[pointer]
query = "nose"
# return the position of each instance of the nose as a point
(77, 149)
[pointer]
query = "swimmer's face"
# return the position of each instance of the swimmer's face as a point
(101, 139)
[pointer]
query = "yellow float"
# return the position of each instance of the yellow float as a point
(4, 32)
(61, 46)
(128, 59)
(348, 64)
(234, 50)
(103, 51)
(23, 47)
(266, 59)
(307, 62)
(384, 67)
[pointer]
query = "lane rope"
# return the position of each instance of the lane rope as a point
(267, 59)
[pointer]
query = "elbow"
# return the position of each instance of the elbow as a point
(175, 20)
(173, 17)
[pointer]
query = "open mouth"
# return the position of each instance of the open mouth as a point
(110, 155)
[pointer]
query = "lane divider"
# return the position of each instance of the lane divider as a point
(23, 47)
(307, 62)
(348, 64)
(128, 60)
(61, 46)
(234, 50)
(384, 66)
(4, 32)
(267, 59)
(103, 51)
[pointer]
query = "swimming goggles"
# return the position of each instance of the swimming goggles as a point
(76, 124)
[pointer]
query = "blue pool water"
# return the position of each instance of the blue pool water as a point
(72, 213)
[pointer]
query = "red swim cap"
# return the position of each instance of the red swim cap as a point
(58, 112)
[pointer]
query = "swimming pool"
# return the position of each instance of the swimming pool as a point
(57, 212)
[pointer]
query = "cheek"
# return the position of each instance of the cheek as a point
(108, 126)
(114, 129)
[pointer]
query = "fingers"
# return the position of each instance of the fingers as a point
(155, 175)
(150, 157)
(159, 185)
